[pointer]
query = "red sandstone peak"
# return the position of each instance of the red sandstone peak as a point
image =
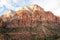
(9, 13)
(33, 18)
(33, 8)
(30, 13)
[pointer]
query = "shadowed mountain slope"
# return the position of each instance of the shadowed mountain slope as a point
(31, 20)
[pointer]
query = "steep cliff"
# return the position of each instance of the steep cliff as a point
(32, 20)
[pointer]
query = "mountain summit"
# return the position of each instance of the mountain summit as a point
(31, 20)
(33, 8)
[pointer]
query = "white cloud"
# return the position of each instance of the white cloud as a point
(4, 2)
(57, 11)
(47, 4)
(51, 5)
(12, 4)
(1, 8)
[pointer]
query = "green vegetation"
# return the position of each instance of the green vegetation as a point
(4, 30)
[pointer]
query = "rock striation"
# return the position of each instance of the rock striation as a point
(31, 20)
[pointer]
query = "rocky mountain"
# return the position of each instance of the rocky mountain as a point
(31, 20)
(7, 15)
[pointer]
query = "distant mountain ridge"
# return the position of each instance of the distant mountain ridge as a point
(32, 7)
(43, 23)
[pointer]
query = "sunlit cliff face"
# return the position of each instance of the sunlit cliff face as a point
(28, 14)
(48, 5)
(31, 20)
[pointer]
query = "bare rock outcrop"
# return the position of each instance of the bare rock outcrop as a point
(32, 20)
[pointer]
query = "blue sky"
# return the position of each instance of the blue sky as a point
(48, 5)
